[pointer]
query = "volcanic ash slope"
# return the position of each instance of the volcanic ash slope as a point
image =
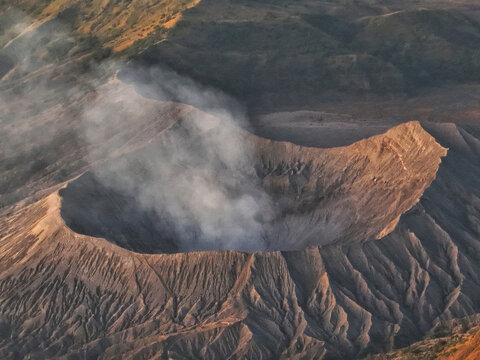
(407, 259)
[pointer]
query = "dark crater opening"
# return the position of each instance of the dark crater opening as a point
(281, 212)
(292, 222)
(91, 208)
(187, 192)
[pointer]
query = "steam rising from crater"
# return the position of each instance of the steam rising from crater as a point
(186, 179)
(193, 183)
(198, 179)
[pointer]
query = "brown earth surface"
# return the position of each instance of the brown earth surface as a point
(374, 242)
(68, 295)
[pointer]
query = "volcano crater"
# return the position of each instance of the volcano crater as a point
(279, 196)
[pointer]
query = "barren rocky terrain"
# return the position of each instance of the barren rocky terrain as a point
(239, 180)
(81, 293)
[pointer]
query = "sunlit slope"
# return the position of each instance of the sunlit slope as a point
(117, 23)
(284, 52)
(459, 344)
(469, 350)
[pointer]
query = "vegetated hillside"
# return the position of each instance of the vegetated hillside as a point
(118, 24)
(51, 64)
(462, 348)
(428, 46)
(293, 52)
(353, 45)
(44, 40)
(287, 54)
(459, 343)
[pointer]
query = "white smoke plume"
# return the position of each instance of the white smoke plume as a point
(198, 177)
